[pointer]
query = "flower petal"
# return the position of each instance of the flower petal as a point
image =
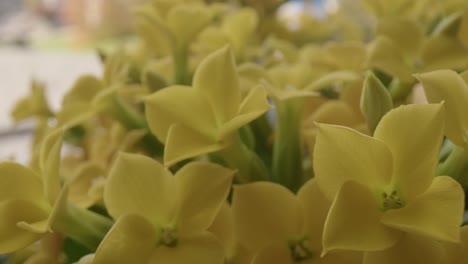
(81, 183)
(216, 78)
(186, 21)
(184, 142)
(50, 164)
(407, 33)
(457, 252)
(178, 104)
(253, 106)
(448, 86)
(265, 212)
(273, 254)
(202, 189)
(139, 185)
(202, 248)
(413, 133)
(12, 212)
(315, 206)
(223, 228)
(19, 182)
(437, 213)
(443, 52)
(353, 222)
(385, 55)
(410, 249)
(132, 239)
(342, 154)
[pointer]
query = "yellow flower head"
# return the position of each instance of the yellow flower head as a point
(28, 199)
(280, 227)
(201, 119)
(383, 188)
(162, 217)
(448, 86)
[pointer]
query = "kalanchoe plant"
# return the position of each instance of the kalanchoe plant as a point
(223, 137)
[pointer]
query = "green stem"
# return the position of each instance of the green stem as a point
(288, 147)
(181, 71)
(262, 131)
(84, 226)
(455, 166)
(250, 167)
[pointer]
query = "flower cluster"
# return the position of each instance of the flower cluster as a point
(225, 135)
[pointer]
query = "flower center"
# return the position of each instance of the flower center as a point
(300, 250)
(168, 237)
(391, 200)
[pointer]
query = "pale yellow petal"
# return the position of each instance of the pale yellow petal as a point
(407, 33)
(315, 207)
(448, 86)
(202, 188)
(410, 249)
(413, 133)
(335, 112)
(264, 213)
(19, 182)
(253, 106)
(186, 21)
(342, 154)
(443, 52)
(354, 222)
(457, 252)
(81, 183)
(12, 212)
(239, 27)
(276, 253)
(84, 89)
(184, 142)
(384, 55)
(139, 185)
(132, 239)
(223, 228)
(178, 104)
(437, 213)
(332, 78)
(202, 248)
(50, 164)
(216, 78)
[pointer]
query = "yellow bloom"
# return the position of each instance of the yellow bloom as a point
(280, 227)
(383, 187)
(162, 218)
(448, 86)
(201, 119)
(33, 105)
(28, 199)
(401, 49)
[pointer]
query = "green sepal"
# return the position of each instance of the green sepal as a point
(376, 101)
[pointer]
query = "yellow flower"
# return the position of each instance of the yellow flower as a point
(280, 227)
(384, 192)
(201, 119)
(448, 86)
(401, 49)
(33, 105)
(160, 217)
(28, 199)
